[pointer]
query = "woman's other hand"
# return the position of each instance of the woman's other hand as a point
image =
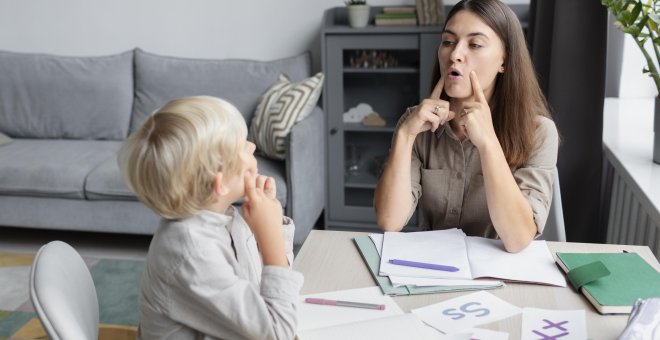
(429, 114)
(476, 120)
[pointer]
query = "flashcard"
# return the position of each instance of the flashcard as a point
(466, 311)
(486, 334)
(553, 324)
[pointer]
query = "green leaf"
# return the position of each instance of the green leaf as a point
(632, 30)
(636, 10)
(642, 23)
(627, 18)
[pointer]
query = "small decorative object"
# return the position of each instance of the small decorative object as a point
(372, 59)
(358, 13)
(430, 12)
(641, 19)
(357, 114)
(373, 119)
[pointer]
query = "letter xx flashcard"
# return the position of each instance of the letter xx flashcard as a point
(553, 324)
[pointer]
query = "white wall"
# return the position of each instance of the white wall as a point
(247, 29)
(634, 83)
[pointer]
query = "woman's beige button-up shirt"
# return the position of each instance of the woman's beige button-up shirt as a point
(448, 185)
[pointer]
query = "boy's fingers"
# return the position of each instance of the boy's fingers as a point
(270, 187)
(477, 92)
(261, 182)
(249, 184)
(437, 90)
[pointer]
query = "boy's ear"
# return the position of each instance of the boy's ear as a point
(218, 187)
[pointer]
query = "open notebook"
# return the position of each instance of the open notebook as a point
(475, 257)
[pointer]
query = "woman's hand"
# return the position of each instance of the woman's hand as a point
(429, 114)
(476, 119)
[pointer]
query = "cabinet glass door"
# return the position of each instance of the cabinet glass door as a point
(383, 73)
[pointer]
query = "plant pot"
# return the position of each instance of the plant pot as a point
(656, 132)
(358, 15)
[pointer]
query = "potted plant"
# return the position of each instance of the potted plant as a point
(358, 13)
(641, 20)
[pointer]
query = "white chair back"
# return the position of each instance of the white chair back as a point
(554, 227)
(63, 293)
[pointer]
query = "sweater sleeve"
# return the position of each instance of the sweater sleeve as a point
(208, 296)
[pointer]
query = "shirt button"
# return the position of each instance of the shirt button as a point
(453, 211)
(459, 175)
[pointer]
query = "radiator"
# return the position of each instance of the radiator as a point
(632, 219)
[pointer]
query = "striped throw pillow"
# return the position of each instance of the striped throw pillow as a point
(281, 107)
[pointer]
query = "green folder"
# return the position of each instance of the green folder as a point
(372, 260)
(629, 278)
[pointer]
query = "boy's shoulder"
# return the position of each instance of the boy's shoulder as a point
(179, 237)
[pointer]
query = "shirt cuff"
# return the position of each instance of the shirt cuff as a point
(281, 283)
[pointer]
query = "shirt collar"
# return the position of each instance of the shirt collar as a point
(215, 218)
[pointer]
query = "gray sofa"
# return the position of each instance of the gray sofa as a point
(67, 117)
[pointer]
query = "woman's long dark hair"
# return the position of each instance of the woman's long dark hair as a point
(517, 98)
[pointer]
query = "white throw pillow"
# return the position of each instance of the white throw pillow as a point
(4, 139)
(281, 107)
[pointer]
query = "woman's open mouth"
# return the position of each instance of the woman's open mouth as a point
(454, 74)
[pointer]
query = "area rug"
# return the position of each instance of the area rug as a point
(117, 283)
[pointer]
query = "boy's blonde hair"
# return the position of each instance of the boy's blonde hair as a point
(171, 162)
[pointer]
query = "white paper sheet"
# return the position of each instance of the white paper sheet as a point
(398, 281)
(486, 334)
(311, 316)
(405, 326)
(550, 324)
(377, 239)
(466, 311)
(446, 247)
(534, 264)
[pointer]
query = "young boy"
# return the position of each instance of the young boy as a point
(204, 276)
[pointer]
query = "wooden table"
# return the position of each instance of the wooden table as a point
(330, 261)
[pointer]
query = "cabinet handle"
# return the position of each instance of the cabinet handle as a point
(333, 131)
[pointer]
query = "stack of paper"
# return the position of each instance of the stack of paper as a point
(471, 258)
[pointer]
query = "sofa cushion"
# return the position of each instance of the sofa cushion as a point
(159, 79)
(47, 96)
(281, 107)
(104, 182)
(50, 168)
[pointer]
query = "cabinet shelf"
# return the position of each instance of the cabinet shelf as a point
(361, 180)
(389, 127)
(406, 70)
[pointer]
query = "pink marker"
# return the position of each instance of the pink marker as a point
(318, 301)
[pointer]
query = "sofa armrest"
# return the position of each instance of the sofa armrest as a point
(305, 173)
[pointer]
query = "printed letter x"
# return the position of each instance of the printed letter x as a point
(552, 325)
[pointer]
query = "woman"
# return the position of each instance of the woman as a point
(479, 154)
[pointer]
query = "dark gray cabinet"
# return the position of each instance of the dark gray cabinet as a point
(356, 153)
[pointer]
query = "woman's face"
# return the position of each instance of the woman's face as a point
(469, 44)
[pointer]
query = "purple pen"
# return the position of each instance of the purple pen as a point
(423, 265)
